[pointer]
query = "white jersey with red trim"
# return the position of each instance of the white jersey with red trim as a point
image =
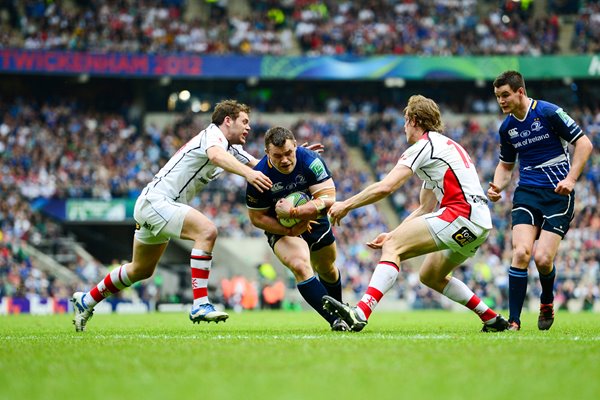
(189, 170)
(446, 168)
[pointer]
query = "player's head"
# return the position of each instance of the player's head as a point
(421, 115)
(280, 146)
(513, 79)
(233, 119)
(509, 88)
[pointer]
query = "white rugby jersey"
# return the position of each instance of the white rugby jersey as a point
(446, 168)
(189, 169)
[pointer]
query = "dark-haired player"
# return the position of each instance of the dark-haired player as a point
(308, 246)
(538, 134)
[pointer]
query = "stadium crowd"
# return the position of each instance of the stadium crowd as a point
(56, 150)
(284, 27)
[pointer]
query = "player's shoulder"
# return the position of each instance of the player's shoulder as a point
(213, 129)
(303, 152)
(262, 165)
(544, 108)
(505, 125)
(306, 157)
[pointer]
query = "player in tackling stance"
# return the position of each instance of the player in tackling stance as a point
(306, 247)
(448, 236)
(543, 202)
(162, 211)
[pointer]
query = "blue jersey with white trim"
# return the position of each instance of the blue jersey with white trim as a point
(540, 140)
(310, 170)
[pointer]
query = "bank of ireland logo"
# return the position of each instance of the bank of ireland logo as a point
(525, 134)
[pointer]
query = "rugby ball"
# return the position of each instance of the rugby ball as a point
(297, 199)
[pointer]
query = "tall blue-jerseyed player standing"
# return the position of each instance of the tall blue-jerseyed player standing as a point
(537, 133)
(308, 246)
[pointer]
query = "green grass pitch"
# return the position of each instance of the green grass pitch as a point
(293, 355)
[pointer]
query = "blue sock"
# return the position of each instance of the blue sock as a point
(313, 291)
(547, 281)
(517, 289)
(334, 289)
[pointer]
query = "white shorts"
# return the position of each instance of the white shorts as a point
(159, 219)
(460, 235)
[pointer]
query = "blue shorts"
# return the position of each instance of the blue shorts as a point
(320, 236)
(543, 208)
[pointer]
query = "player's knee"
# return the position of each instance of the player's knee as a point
(207, 233)
(301, 269)
(543, 261)
(521, 254)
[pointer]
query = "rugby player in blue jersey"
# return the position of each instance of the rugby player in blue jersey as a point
(309, 246)
(538, 134)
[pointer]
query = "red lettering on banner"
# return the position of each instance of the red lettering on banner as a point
(195, 66)
(159, 67)
(99, 63)
(112, 63)
(78, 62)
(121, 64)
(173, 65)
(139, 64)
(6, 56)
(24, 61)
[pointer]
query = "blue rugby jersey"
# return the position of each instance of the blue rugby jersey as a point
(310, 170)
(540, 140)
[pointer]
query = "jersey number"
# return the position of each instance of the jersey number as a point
(463, 154)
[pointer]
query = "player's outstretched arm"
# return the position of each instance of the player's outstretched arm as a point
(371, 194)
(501, 180)
(229, 163)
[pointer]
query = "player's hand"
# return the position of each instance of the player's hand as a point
(316, 147)
(259, 180)
(337, 211)
(283, 207)
(311, 224)
(301, 227)
(377, 243)
(565, 187)
(493, 192)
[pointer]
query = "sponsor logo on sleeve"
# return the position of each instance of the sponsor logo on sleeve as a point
(318, 169)
(565, 117)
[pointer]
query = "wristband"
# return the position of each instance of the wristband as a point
(319, 204)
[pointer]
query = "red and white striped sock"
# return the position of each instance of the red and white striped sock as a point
(200, 262)
(459, 292)
(383, 279)
(115, 281)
